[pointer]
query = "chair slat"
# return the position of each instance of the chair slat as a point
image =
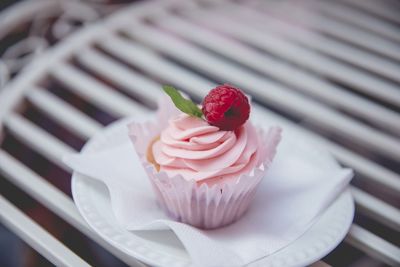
(307, 16)
(373, 245)
(376, 8)
(268, 91)
(63, 112)
(37, 237)
(130, 80)
(367, 168)
(37, 138)
(357, 17)
(54, 199)
(139, 56)
(297, 79)
(377, 209)
(276, 24)
(95, 91)
(41, 190)
(358, 80)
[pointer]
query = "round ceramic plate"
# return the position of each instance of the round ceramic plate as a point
(162, 248)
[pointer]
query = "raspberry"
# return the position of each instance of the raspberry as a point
(226, 107)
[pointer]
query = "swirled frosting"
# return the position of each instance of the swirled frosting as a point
(189, 146)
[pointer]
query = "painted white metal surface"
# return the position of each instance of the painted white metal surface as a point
(341, 30)
(375, 8)
(305, 36)
(376, 208)
(297, 80)
(37, 237)
(37, 138)
(357, 17)
(373, 245)
(315, 62)
(63, 112)
(54, 199)
(95, 91)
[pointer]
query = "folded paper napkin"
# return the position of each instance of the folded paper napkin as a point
(301, 183)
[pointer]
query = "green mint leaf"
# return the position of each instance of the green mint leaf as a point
(183, 104)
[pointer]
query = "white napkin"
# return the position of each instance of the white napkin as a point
(301, 183)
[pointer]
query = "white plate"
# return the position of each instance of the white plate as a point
(162, 248)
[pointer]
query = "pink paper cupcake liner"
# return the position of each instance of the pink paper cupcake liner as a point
(201, 205)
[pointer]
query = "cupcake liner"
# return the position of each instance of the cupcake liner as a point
(202, 206)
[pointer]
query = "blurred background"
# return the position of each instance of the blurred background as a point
(31, 36)
(342, 55)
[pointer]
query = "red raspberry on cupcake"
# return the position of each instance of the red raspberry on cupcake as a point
(226, 107)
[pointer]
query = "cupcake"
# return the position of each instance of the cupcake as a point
(204, 163)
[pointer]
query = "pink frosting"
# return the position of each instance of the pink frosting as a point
(189, 146)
